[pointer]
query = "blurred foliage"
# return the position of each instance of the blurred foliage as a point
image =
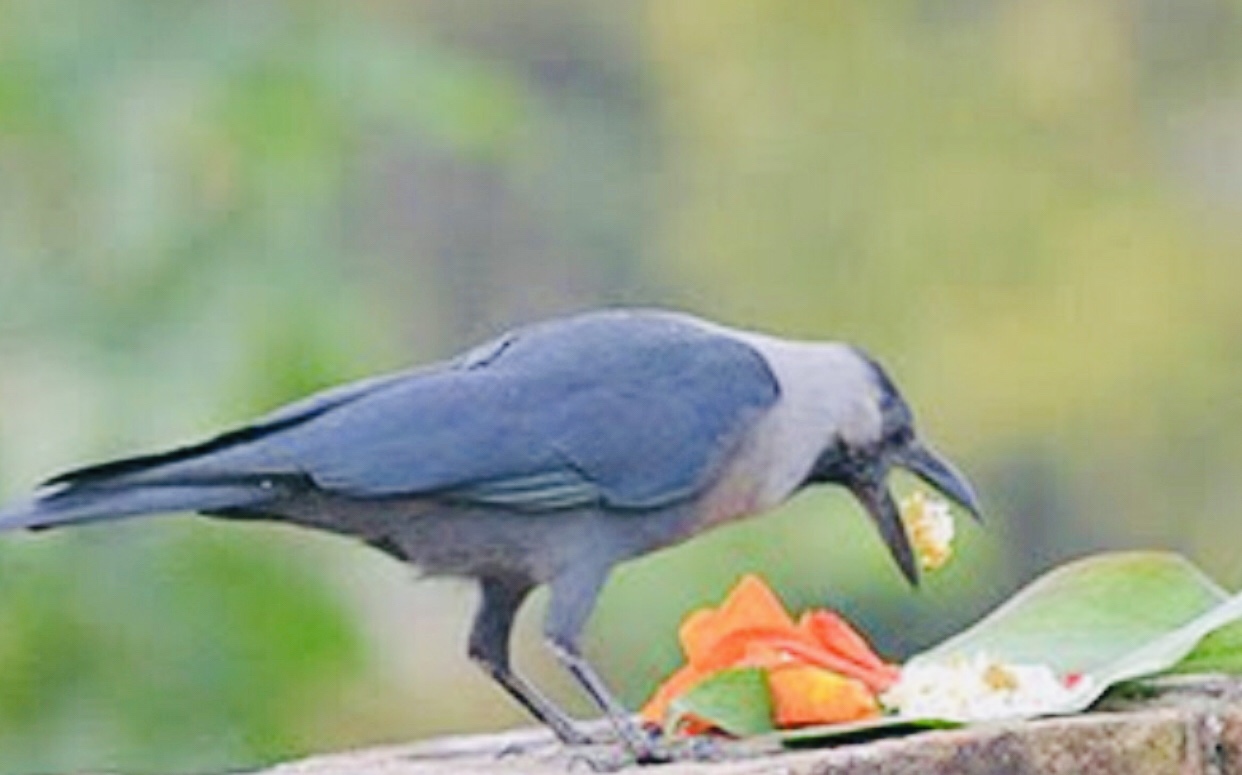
(210, 646)
(1025, 208)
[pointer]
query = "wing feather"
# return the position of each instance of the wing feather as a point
(626, 409)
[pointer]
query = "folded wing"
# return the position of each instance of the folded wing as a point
(628, 410)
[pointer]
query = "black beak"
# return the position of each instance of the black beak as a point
(923, 462)
(870, 490)
(878, 501)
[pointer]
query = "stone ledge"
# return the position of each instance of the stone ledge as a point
(1183, 727)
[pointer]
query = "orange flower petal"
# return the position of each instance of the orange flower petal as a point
(764, 654)
(836, 635)
(730, 651)
(697, 632)
(751, 604)
(820, 669)
(803, 696)
(693, 725)
(673, 687)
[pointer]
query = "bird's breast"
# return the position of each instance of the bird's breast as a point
(738, 494)
(765, 470)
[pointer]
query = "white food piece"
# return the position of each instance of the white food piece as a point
(930, 526)
(979, 688)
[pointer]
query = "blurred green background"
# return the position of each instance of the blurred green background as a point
(1028, 209)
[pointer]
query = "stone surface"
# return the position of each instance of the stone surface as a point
(1184, 727)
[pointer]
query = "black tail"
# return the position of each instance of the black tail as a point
(232, 472)
(66, 504)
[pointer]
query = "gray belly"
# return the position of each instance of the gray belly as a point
(445, 539)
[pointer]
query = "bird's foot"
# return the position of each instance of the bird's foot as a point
(605, 747)
(697, 748)
(575, 739)
(596, 756)
(656, 748)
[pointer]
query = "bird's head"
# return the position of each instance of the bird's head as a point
(875, 432)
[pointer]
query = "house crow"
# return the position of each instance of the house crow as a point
(545, 456)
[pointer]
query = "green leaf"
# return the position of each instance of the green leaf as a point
(736, 701)
(1085, 616)
(1111, 618)
(1169, 651)
(883, 726)
(1219, 652)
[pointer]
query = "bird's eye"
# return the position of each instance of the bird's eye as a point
(899, 436)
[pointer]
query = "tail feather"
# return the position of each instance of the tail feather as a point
(69, 504)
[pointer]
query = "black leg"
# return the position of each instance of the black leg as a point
(489, 648)
(636, 740)
(571, 602)
(645, 748)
